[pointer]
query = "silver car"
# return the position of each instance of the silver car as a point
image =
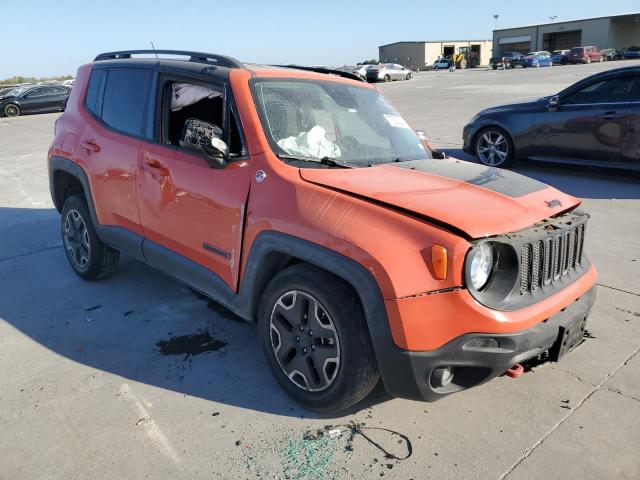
(387, 72)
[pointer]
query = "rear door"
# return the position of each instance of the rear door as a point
(587, 124)
(630, 144)
(34, 100)
(187, 207)
(116, 106)
(56, 97)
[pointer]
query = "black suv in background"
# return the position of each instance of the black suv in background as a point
(507, 60)
(32, 99)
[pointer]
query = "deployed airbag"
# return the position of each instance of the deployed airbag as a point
(313, 143)
(185, 94)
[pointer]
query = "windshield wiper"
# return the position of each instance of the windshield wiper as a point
(323, 161)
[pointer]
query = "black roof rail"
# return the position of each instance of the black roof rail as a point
(328, 71)
(197, 57)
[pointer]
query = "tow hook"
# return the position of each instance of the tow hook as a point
(516, 371)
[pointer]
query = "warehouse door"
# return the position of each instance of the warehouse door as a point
(448, 51)
(561, 40)
(522, 47)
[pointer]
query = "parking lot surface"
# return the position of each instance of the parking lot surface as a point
(94, 387)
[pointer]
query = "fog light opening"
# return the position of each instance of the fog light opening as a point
(482, 343)
(442, 376)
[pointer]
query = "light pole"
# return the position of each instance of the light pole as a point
(495, 17)
(553, 17)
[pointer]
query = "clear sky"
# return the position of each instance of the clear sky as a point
(53, 37)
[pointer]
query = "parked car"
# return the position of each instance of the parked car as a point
(619, 55)
(507, 60)
(321, 217)
(593, 122)
(388, 72)
(609, 54)
(442, 64)
(32, 99)
(585, 55)
(632, 52)
(560, 57)
(536, 60)
(5, 91)
(67, 83)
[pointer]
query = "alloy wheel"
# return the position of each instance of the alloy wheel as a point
(76, 239)
(492, 148)
(11, 110)
(305, 341)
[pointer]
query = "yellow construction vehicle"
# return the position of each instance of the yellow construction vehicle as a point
(467, 57)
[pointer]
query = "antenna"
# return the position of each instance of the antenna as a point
(153, 47)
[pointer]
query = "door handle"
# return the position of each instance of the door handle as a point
(158, 168)
(609, 116)
(90, 145)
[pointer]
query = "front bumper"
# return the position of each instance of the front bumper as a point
(467, 136)
(477, 364)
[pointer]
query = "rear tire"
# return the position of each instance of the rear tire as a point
(387, 78)
(328, 369)
(90, 257)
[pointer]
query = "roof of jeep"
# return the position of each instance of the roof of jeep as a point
(216, 65)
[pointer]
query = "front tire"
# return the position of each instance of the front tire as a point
(387, 78)
(90, 257)
(11, 110)
(315, 339)
(494, 147)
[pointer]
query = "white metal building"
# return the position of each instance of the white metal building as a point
(418, 55)
(615, 31)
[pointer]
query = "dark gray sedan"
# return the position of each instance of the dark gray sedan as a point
(32, 99)
(593, 122)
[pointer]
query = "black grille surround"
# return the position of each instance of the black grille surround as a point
(531, 264)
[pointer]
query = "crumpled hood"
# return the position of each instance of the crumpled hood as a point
(477, 200)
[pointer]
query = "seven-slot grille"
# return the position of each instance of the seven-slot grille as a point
(544, 261)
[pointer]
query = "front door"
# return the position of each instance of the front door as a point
(34, 100)
(587, 125)
(187, 207)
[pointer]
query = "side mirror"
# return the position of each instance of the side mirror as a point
(205, 138)
(553, 103)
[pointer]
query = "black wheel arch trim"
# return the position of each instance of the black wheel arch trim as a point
(389, 357)
(117, 237)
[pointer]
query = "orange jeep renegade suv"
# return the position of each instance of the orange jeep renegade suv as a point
(301, 200)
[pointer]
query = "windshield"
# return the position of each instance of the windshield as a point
(317, 119)
(18, 90)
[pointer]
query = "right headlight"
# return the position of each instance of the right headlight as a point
(481, 265)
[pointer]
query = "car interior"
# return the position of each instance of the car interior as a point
(188, 104)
